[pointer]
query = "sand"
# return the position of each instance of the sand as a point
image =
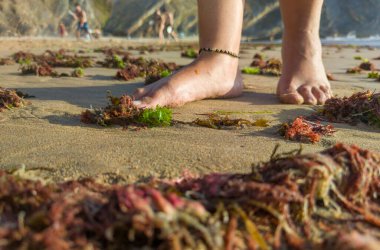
(48, 133)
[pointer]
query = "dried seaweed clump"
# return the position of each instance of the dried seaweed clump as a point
(28, 68)
(78, 72)
(271, 67)
(10, 98)
(367, 65)
(360, 107)
(312, 201)
(140, 67)
(224, 122)
(121, 111)
(54, 59)
(354, 70)
(6, 61)
(130, 72)
(155, 75)
(302, 130)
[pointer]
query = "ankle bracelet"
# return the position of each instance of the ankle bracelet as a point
(220, 51)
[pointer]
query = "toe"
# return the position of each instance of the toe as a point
(319, 95)
(291, 98)
(141, 92)
(307, 94)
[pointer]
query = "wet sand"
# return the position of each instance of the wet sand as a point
(48, 133)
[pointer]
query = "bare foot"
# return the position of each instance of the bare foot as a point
(210, 76)
(303, 79)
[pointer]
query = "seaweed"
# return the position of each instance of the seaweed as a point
(54, 59)
(354, 70)
(360, 107)
(121, 111)
(216, 121)
(156, 74)
(78, 72)
(7, 61)
(302, 130)
(130, 72)
(373, 75)
(271, 67)
(10, 99)
(325, 200)
(38, 70)
(189, 53)
(367, 65)
(251, 70)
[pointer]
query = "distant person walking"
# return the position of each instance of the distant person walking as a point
(165, 19)
(62, 30)
(81, 16)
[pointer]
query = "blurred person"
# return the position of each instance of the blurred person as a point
(62, 30)
(165, 20)
(215, 73)
(81, 16)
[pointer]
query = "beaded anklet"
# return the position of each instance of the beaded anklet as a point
(221, 51)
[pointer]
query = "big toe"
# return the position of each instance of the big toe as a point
(291, 98)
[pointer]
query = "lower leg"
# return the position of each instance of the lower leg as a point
(211, 75)
(304, 78)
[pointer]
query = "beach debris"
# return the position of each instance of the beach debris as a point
(216, 121)
(354, 70)
(271, 67)
(129, 72)
(38, 70)
(373, 75)
(121, 111)
(325, 200)
(360, 107)
(359, 58)
(155, 75)
(78, 72)
(111, 51)
(140, 67)
(189, 53)
(258, 56)
(54, 59)
(6, 61)
(302, 130)
(331, 77)
(10, 98)
(251, 70)
(367, 65)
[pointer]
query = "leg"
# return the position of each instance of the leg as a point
(304, 77)
(161, 30)
(211, 75)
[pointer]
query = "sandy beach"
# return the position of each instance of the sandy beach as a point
(48, 133)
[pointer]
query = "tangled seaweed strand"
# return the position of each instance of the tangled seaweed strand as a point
(360, 107)
(302, 130)
(311, 201)
(10, 98)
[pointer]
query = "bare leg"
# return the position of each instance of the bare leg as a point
(211, 75)
(304, 78)
(161, 30)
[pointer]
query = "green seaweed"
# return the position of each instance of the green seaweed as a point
(373, 75)
(158, 117)
(251, 70)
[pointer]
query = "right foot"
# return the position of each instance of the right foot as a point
(208, 77)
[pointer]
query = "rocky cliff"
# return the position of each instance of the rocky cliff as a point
(135, 17)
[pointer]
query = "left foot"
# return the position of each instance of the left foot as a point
(303, 79)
